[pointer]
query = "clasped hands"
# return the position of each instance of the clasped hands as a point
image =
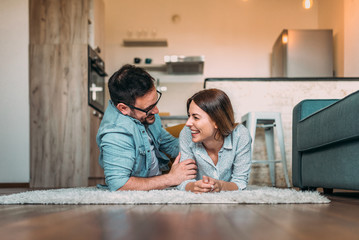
(206, 184)
(186, 170)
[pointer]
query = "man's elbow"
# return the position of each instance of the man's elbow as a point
(117, 184)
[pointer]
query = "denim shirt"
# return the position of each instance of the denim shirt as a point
(125, 150)
(234, 158)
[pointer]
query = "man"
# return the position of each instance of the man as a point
(131, 139)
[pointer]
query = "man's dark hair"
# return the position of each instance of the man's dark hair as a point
(129, 83)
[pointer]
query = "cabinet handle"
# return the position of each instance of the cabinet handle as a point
(99, 115)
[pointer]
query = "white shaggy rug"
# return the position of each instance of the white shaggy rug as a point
(93, 195)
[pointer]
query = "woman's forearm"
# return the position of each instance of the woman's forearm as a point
(189, 187)
(227, 186)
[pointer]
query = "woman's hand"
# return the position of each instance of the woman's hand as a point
(206, 184)
(216, 185)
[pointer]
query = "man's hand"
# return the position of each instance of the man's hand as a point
(182, 171)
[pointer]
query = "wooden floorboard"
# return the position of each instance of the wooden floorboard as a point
(251, 224)
(301, 222)
(337, 220)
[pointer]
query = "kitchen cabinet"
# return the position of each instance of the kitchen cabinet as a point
(60, 123)
(96, 174)
(96, 26)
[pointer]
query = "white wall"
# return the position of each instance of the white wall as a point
(351, 38)
(331, 16)
(14, 91)
(235, 36)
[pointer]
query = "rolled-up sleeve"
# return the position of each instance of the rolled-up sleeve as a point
(118, 158)
(185, 140)
(183, 185)
(242, 160)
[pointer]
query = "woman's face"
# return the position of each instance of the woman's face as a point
(203, 128)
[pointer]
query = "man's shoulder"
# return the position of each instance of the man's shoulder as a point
(115, 122)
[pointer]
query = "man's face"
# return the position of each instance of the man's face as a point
(146, 103)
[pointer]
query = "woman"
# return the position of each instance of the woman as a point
(220, 147)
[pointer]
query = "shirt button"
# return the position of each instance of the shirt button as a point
(148, 150)
(143, 131)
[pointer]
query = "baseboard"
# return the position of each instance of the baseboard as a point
(93, 181)
(14, 185)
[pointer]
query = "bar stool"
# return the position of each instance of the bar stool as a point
(268, 120)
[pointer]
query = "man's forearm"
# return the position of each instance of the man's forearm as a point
(146, 184)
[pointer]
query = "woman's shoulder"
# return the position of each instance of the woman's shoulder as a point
(241, 129)
(241, 133)
(185, 138)
(185, 132)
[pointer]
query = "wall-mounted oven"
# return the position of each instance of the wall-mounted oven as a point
(96, 81)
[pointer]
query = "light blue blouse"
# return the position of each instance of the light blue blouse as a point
(234, 158)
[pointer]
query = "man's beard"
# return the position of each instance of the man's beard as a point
(144, 120)
(152, 120)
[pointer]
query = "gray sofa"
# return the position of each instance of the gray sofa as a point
(326, 144)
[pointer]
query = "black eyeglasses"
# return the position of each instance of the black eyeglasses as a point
(149, 109)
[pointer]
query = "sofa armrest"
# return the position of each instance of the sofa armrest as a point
(330, 126)
(303, 110)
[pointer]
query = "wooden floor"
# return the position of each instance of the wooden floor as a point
(337, 220)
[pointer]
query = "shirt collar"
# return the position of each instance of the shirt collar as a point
(118, 111)
(228, 144)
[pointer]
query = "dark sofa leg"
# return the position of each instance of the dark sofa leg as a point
(328, 190)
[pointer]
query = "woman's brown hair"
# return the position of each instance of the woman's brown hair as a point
(218, 106)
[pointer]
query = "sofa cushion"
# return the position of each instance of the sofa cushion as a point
(332, 167)
(336, 123)
(310, 106)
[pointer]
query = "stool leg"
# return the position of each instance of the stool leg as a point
(250, 122)
(280, 135)
(252, 129)
(269, 138)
